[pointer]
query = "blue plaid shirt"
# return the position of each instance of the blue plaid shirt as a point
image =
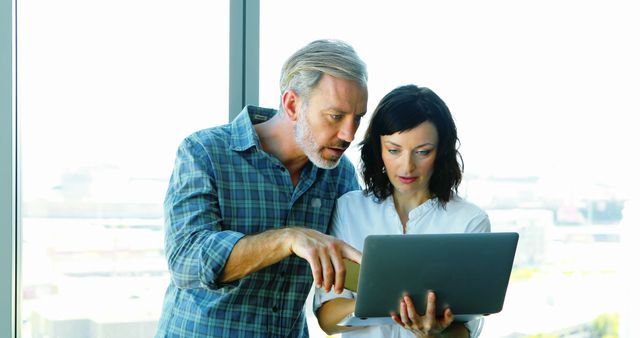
(225, 186)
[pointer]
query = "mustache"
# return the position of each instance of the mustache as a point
(340, 144)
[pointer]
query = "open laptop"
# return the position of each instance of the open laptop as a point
(469, 272)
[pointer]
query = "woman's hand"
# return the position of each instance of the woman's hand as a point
(426, 326)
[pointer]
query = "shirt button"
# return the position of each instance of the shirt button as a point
(275, 309)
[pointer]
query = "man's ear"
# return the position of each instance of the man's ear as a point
(290, 103)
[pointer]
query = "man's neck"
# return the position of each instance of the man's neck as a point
(277, 137)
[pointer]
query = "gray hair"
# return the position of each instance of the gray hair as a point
(302, 71)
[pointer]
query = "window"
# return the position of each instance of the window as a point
(543, 94)
(106, 92)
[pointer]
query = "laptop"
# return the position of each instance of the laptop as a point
(469, 272)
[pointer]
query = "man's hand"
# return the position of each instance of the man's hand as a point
(324, 253)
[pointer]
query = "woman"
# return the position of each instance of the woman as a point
(411, 170)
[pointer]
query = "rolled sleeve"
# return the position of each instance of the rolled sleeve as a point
(197, 247)
(215, 256)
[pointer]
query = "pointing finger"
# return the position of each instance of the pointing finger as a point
(327, 271)
(316, 269)
(339, 271)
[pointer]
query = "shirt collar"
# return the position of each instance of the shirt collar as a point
(423, 208)
(243, 134)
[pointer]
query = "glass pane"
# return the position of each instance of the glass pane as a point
(106, 92)
(543, 94)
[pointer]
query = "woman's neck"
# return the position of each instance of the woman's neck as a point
(406, 202)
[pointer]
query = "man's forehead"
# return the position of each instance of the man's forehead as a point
(340, 111)
(341, 96)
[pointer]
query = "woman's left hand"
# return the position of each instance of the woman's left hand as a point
(422, 326)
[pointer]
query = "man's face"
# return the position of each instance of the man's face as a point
(327, 123)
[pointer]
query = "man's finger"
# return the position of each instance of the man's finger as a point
(351, 253)
(339, 270)
(316, 269)
(327, 270)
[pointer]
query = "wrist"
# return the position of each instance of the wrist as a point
(288, 238)
(422, 334)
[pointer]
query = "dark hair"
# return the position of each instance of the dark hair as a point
(402, 109)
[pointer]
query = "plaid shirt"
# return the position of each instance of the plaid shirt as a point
(223, 187)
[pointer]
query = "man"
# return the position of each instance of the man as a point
(249, 204)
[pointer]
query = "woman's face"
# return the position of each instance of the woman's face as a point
(409, 157)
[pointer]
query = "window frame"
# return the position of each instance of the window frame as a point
(243, 89)
(8, 172)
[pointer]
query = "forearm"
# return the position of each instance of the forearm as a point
(455, 330)
(323, 253)
(254, 252)
(196, 259)
(334, 311)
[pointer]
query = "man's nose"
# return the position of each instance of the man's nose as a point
(348, 130)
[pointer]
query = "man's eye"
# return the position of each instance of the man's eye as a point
(336, 117)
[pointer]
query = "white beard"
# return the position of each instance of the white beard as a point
(306, 141)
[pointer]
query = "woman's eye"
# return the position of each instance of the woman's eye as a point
(424, 152)
(393, 151)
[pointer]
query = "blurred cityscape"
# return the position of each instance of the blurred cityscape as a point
(93, 264)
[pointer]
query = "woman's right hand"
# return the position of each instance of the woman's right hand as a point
(427, 326)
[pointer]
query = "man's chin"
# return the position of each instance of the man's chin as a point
(324, 163)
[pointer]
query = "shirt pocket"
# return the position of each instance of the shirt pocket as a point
(315, 211)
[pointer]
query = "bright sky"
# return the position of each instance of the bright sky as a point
(544, 88)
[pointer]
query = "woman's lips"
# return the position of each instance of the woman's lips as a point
(407, 180)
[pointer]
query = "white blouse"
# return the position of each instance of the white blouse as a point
(357, 215)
